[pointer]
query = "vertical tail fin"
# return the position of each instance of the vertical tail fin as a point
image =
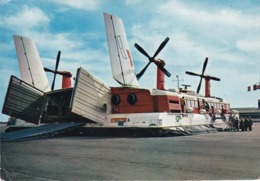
(31, 68)
(120, 55)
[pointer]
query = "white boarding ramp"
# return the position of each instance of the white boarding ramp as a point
(91, 97)
(31, 68)
(120, 55)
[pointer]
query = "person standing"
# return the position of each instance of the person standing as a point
(223, 112)
(236, 124)
(212, 114)
(241, 125)
(182, 104)
(205, 105)
(246, 123)
(250, 123)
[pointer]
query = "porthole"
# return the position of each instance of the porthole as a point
(131, 98)
(115, 99)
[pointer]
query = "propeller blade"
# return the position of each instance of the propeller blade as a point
(138, 76)
(56, 68)
(161, 47)
(164, 70)
(198, 89)
(152, 59)
(191, 73)
(57, 61)
(204, 66)
(53, 82)
(214, 78)
(48, 70)
(140, 49)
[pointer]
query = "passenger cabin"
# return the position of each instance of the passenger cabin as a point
(137, 100)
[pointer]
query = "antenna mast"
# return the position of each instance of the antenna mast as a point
(178, 81)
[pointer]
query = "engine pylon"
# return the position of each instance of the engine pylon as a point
(66, 81)
(207, 86)
(160, 75)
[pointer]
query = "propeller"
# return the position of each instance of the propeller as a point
(152, 59)
(202, 75)
(63, 73)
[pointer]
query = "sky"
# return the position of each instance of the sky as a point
(225, 31)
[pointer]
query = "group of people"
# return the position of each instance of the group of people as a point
(244, 124)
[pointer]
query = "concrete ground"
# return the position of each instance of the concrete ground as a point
(213, 156)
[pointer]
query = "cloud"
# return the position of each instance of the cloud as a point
(249, 45)
(131, 2)
(200, 15)
(50, 42)
(6, 72)
(200, 31)
(4, 2)
(228, 36)
(78, 4)
(27, 18)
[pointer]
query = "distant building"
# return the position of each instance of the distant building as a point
(253, 112)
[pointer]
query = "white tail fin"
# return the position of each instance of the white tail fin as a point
(30, 63)
(120, 55)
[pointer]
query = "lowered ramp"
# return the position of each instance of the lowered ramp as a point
(48, 130)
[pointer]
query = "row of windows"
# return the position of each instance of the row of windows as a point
(193, 103)
(217, 105)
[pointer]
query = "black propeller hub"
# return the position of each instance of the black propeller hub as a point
(55, 71)
(158, 62)
(202, 75)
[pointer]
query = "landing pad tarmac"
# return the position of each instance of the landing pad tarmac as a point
(213, 156)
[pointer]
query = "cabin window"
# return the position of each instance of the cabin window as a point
(191, 103)
(188, 103)
(175, 111)
(196, 103)
(227, 106)
(219, 106)
(173, 101)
